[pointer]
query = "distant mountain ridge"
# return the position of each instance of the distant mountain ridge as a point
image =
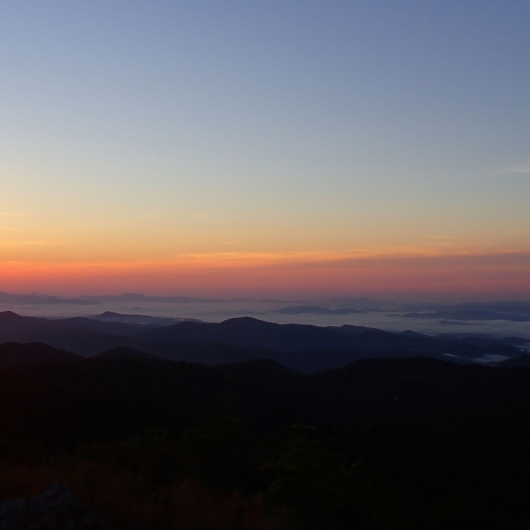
(111, 316)
(316, 310)
(301, 347)
(470, 315)
(35, 298)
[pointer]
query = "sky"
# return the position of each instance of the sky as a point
(252, 148)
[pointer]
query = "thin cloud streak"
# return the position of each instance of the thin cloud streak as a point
(227, 260)
(520, 169)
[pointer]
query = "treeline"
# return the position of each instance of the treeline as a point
(387, 444)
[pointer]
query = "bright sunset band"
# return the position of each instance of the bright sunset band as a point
(318, 274)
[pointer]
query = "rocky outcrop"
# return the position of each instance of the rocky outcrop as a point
(54, 509)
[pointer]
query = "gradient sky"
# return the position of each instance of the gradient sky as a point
(266, 148)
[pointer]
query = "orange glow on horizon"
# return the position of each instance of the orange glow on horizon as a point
(354, 273)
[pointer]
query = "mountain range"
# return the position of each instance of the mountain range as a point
(371, 429)
(304, 348)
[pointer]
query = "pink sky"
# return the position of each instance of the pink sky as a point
(402, 276)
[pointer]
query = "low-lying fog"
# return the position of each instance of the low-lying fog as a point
(496, 318)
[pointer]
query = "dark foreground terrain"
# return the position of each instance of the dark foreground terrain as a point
(381, 443)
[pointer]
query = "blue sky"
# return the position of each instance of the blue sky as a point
(151, 130)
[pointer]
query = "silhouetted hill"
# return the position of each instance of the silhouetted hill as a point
(12, 323)
(371, 388)
(250, 332)
(348, 328)
(113, 324)
(301, 347)
(122, 352)
(82, 341)
(144, 320)
(263, 368)
(305, 361)
(263, 392)
(523, 360)
(109, 327)
(202, 352)
(60, 415)
(15, 354)
(395, 443)
(38, 299)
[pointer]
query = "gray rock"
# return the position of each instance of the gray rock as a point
(54, 509)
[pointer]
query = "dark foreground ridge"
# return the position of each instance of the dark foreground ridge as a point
(55, 508)
(261, 392)
(382, 443)
(15, 354)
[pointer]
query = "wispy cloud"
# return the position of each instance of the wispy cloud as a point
(438, 252)
(517, 169)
